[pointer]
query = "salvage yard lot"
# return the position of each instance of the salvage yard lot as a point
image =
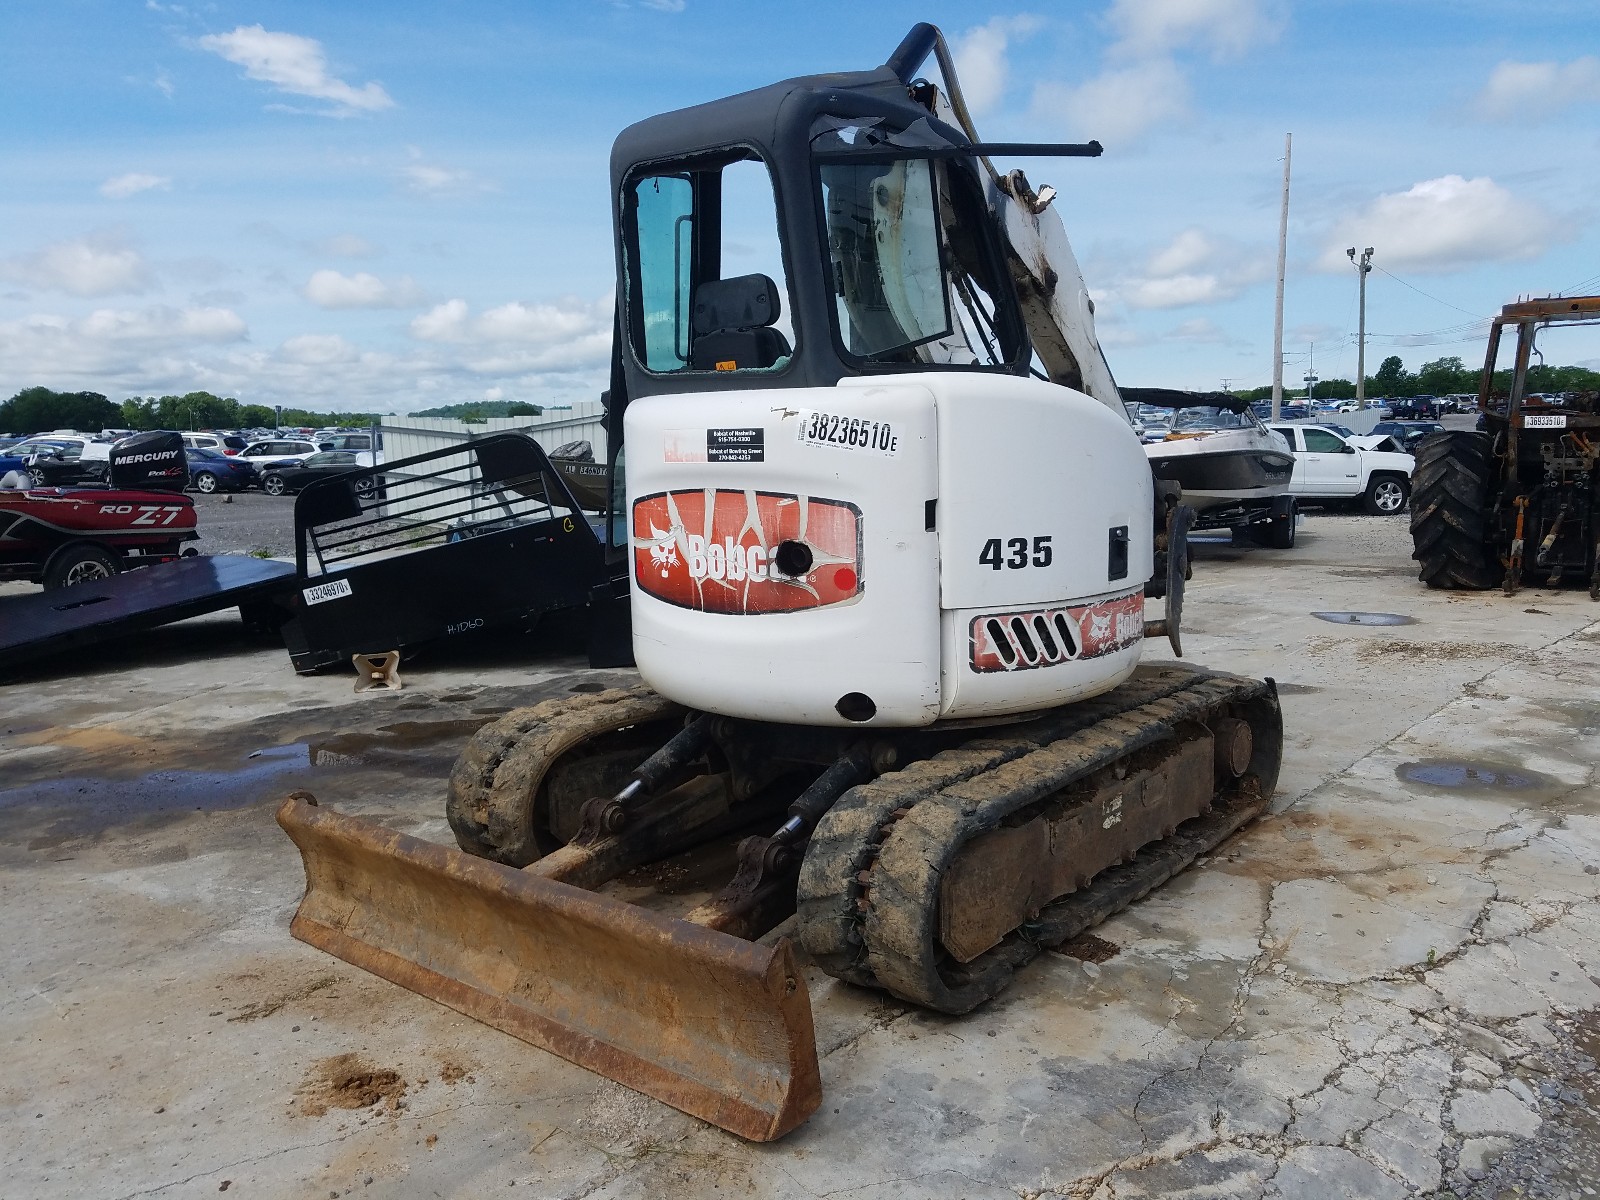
(1375, 991)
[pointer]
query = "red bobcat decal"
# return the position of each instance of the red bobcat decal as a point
(717, 550)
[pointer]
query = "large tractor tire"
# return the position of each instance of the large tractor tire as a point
(1450, 490)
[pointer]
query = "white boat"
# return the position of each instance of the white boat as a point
(1218, 451)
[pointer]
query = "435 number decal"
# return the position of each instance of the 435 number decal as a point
(1016, 553)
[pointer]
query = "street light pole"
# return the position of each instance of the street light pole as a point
(1277, 322)
(1363, 269)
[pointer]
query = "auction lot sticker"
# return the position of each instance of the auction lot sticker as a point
(848, 433)
(327, 591)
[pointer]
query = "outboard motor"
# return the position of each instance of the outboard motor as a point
(152, 462)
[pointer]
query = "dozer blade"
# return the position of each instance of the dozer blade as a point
(711, 1024)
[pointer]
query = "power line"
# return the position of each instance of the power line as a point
(1435, 299)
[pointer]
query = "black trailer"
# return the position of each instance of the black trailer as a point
(101, 609)
(475, 538)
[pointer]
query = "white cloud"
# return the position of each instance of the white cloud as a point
(981, 61)
(139, 349)
(345, 245)
(296, 65)
(131, 184)
(1200, 329)
(1118, 105)
(1190, 249)
(100, 264)
(317, 349)
(672, 6)
(1532, 90)
(1194, 268)
(1227, 28)
(432, 179)
(162, 324)
(331, 289)
(1442, 225)
(568, 334)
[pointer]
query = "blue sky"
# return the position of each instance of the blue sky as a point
(390, 207)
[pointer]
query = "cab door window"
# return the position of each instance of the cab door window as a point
(707, 288)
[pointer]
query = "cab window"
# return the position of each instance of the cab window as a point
(707, 287)
(1320, 441)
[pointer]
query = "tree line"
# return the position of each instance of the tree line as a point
(39, 410)
(1441, 377)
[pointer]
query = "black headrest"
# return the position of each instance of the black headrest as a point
(743, 302)
(150, 460)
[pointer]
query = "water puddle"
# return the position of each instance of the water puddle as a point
(1297, 689)
(391, 743)
(1469, 776)
(84, 806)
(1364, 618)
(48, 813)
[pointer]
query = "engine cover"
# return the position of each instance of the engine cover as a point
(893, 551)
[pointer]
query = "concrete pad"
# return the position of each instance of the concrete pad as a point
(167, 1035)
(1497, 1111)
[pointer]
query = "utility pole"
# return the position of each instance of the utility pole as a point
(1283, 252)
(1225, 384)
(1363, 269)
(1311, 375)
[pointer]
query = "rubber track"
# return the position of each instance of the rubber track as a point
(1449, 511)
(868, 888)
(496, 779)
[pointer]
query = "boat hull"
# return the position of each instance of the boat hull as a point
(1214, 474)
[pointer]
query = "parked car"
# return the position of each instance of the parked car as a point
(223, 443)
(287, 477)
(346, 441)
(1327, 467)
(1417, 408)
(274, 450)
(55, 461)
(1407, 433)
(212, 471)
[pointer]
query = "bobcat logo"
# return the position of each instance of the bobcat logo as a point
(1099, 627)
(664, 548)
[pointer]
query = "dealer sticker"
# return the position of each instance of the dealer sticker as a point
(327, 591)
(1544, 420)
(848, 433)
(735, 445)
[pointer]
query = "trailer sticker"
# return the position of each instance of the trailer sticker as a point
(720, 550)
(848, 433)
(1047, 637)
(1544, 420)
(327, 591)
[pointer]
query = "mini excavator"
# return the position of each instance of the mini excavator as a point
(907, 702)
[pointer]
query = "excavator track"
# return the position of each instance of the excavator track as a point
(498, 801)
(869, 889)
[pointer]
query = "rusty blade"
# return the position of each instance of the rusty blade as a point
(710, 1024)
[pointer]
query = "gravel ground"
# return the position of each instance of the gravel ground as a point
(245, 523)
(1562, 1160)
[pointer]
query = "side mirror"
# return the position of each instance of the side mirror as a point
(1348, 449)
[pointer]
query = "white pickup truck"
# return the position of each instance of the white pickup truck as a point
(1328, 467)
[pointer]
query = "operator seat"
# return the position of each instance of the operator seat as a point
(733, 325)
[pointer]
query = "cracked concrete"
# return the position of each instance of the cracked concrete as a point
(1370, 993)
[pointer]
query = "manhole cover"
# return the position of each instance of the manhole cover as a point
(1365, 618)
